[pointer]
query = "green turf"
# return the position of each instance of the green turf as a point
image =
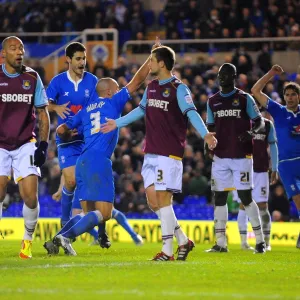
(125, 272)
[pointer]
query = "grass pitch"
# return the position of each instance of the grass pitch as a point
(125, 272)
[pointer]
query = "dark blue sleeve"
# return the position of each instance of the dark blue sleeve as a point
(120, 98)
(274, 108)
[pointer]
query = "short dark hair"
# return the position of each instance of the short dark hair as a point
(292, 86)
(165, 54)
(74, 47)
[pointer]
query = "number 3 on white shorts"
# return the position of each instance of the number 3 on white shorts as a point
(95, 120)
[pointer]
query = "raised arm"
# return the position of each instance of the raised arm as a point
(260, 84)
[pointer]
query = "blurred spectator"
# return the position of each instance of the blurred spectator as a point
(279, 205)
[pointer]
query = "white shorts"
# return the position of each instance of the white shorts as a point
(20, 160)
(162, 171)
(228, 174)
(260, 191)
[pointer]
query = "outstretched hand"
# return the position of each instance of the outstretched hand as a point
(62, 110)
(109, 126)
(210, 140)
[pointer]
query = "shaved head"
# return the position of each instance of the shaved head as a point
(107, 87)
(7, 40)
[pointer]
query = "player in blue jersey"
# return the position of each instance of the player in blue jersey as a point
(67, 93)
(287, 125)
(95, 185)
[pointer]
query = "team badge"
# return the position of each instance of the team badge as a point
(63, 159)
(87, 93)
(26, 84)
(166, 92)
(188, 99)
(236, 102)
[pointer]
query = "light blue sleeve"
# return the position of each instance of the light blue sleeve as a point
(252, 109)
(272, 134)
(134, 115)
(274, 156)
(197, 122)
(120, 99)
(184, 98)
(75, 121)
(143, 102)
(52, 90)
(209, 115)
(274, 108)
(40, 96)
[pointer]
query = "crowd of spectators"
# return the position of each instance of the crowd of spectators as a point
(231, 19)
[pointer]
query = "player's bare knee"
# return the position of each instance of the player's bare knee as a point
(30, 201)
(245, 196)
(220, 198)
(70, 185)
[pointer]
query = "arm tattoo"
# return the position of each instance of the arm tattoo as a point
(44, 123)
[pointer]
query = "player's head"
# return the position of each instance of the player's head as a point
(227, 75)
(291, 93)
(13, 52)
(76, 57)
(107, 87)
(162, 59)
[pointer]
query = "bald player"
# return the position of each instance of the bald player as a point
(95, 184)
(22, 94)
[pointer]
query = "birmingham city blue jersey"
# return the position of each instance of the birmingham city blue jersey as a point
(63, 89)
(287, 125)
(93, 114)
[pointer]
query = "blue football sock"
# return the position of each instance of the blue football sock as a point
(69, 224)
(66, 205)
(121, 219)
(94, 233)
(101, 228)
(85, 224)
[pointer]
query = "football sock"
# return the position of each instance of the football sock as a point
(94, 233)
(70, 224)
(220, 218)
(242, 220)
(168, 224)
(122, 220)
(85, 224)
(66, 205)
(181, 237)
(253, 213)
(101, 228)
(266, 224)
(30, 220)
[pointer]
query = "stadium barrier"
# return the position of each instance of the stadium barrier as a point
(202, 232)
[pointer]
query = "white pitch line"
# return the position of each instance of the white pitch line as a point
(118, 264)
(136, 292)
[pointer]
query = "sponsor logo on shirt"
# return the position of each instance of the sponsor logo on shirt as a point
(86, 93)
(25, 98)
(3, 84)
(162, 104)
(228, 113)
